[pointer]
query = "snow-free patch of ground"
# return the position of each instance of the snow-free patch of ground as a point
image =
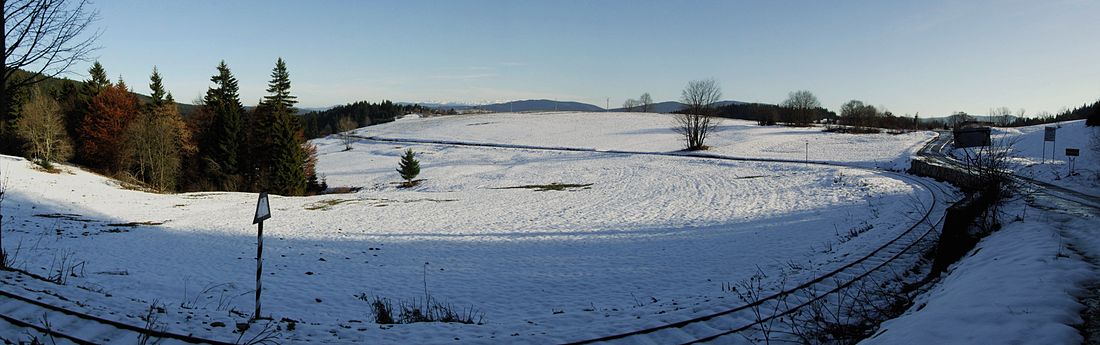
(1020, 285)
(635, 241)
(1029, 159)
(651, 132)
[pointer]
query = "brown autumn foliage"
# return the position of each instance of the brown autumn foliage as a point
(104, 127)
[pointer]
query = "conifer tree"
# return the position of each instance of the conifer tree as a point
(82, 105)
(279, 96)
(1094, 117)
(156, 85)
(287, 162)
(287, 172)
(409, 167)
(221, 141)
(98, 81)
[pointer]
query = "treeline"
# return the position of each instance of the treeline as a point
(221, 146)
(771, 114)
(1089, 112)
(354, 115)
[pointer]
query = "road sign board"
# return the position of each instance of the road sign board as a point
(1073, 152)
(972, 137)
(1049, 134)
(263, 209)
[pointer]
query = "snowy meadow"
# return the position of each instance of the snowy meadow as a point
(540, 245)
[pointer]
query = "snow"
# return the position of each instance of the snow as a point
(1018, 286)
(1028, 160)
(650, 132)
(650, 240)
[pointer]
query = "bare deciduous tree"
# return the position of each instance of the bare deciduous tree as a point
(801, 106)
(958, 119)
(44, 38)
(695, 121)
(630, 105)
(42, 128)
(345, 126)
(1000, 115)
(5, 261)
(156, 143)
(645, 102)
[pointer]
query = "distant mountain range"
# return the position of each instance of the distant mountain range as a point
(551, 105)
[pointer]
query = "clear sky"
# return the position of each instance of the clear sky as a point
(932, 57)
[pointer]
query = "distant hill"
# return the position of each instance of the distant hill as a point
(674, 106)
(515, 106)
(56, 84)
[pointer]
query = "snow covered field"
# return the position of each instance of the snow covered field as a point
(653, 133)
(639, 241)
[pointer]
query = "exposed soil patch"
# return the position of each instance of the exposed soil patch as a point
(569, 187)
(136, 224)
(65, 216)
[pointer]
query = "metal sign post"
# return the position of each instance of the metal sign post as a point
(263, 211)
(972, 137)
(1049, 134)
(1072, 154)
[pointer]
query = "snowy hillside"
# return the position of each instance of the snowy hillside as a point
(1052, 166)
(636, 240)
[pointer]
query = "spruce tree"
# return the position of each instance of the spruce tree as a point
(99, 80)
(222, 141)
(1094, 116)
(287, 157)
(279, 89)
(156, 85)
(287, 173)
(409, 167)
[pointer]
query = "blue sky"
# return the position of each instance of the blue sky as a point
(931, 57)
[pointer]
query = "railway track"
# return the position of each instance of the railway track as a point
(937, 151)
(719, 325)
(66, 326)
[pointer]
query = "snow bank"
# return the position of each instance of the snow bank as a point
(1028, 155)
(1018, 286)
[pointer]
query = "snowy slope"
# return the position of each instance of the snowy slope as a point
(1028, 155)
(651, 239)
(1018, 286)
